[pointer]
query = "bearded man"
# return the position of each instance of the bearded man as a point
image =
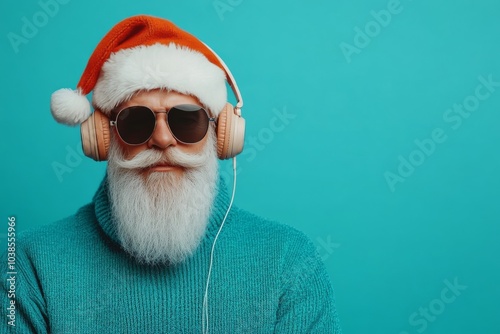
(145, 255)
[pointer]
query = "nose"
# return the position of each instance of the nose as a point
(162, 137)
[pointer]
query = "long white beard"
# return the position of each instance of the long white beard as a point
(162, 218)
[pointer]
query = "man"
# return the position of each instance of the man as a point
(143, 257)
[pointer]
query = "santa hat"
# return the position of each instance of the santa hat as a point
(143, 53)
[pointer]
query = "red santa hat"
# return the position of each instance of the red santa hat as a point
(143, 53)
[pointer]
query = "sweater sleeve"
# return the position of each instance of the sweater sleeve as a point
(23, 288)
(307, 302)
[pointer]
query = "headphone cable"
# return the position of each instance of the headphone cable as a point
(205, 321)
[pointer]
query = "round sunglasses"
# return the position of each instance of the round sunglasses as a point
(187, 122)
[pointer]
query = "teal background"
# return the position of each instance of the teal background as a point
(390, 252)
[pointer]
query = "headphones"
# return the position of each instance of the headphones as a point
(95, 131)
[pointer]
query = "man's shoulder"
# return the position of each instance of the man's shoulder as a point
(246, 219)
(76, 226)
(276, 245)
(248, 225)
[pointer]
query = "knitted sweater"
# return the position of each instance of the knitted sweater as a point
(73, 277)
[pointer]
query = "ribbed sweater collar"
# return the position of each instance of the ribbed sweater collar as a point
(105, 219)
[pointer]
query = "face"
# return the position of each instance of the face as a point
(162, 191)
(162, 138)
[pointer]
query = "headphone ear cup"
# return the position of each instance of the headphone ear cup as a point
(221, 133)
(230, 133)
(95, 136)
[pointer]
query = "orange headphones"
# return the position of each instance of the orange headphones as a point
(95, 132)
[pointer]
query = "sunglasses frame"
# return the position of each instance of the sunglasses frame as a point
(113, 123)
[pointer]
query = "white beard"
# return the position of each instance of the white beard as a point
(161, 218)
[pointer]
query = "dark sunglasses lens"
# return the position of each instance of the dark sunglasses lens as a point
(188, 123)
(135, 124)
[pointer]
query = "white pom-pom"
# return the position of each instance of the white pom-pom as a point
(69, 106)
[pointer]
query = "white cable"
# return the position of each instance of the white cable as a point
(205, 322)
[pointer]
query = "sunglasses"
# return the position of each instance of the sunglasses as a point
(187, 122)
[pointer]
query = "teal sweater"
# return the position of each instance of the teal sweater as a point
(73, 277)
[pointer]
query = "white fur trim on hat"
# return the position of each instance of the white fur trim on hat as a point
(69, 106)
(156, 66)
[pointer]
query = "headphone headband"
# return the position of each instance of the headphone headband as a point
(231, 81)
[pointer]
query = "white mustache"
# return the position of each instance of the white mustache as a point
(171, 156)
